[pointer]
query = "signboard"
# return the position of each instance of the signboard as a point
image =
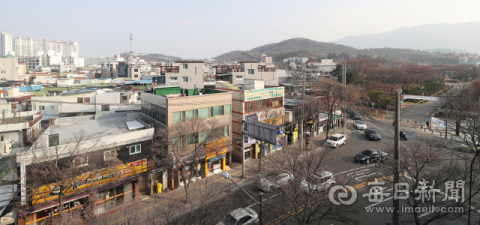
(263, 131)
(248, 140)
(274, 121)
(265, 93)
(51, 191)
(420, 97)
(215, 148)
(322, 117)
(437, 121)
(268, 114)
(280, 129)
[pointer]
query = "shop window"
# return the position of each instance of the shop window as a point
(80, 161)
(135, 149)
(53, 140)
(228, 109)
(108, 155)
(248, 155)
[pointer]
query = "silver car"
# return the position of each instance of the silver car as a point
(319, 181)
(266, 185)
(360, 125)
(245, 216)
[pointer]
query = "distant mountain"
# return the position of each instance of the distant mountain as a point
(291, 47)
(301, 47)
(451, 36)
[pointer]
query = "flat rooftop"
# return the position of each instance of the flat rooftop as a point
(104, 126)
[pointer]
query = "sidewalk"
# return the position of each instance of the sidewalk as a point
(439, 132)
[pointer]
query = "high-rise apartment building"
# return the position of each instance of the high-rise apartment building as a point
(19, 47)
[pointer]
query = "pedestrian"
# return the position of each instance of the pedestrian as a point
(428, 123)
(343, 123)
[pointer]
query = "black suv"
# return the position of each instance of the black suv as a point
(356, 116)
(372, 134)
(369, 155)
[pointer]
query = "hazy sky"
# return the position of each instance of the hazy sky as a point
(205, 29)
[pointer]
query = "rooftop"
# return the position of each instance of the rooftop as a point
(191, 61)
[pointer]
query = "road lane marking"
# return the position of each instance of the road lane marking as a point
(353, 169)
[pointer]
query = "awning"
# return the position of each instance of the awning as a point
(216, 158)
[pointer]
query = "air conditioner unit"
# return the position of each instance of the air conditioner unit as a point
(5, 147)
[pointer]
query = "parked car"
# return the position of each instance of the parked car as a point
(267, 185)
(336, 140)
(372, 134)
(356, 116)
(369, 155)
(319, 181)
(244, 216)
(469, 146)
(360, 125)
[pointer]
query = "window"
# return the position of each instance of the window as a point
(109, 155)
(176, 142)
(239, 78)
(86, 100)
(53, 140)
(51, 107)
(227, 131)
(80, 161)
(135, 70)
(218, 110)
(79, 100)
(203, 137)
(176, 118)
(228, 109)
(251, 71)
(135, 149)
(124, 98)
(173, 79)
(204, 113)
(105, 107)
(136, 75)
(190, 139)
(185, 66)
(185, 79)
(42, 107)
(191, 114)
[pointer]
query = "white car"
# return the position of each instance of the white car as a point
(336, 140)
(360, 125)
(319, 181)
(266, 185)
(240, 216)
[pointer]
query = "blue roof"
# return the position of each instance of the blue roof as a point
(139, 82)
(29, 88)
(146, 78)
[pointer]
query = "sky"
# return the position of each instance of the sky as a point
(206, 29)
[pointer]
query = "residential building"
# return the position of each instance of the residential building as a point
(90, 101)
(166, 106)
(235, 74)
(324, 67)
(255, 102)
(186, 74)
(21, 68)
(19, 47)
(17, 130)
(123, 139)
(37, 62)
(8, 68)
(6, 44)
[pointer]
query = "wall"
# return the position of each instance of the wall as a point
(194, 74)
(8, 68)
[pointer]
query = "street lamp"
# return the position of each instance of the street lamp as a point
(227, 176)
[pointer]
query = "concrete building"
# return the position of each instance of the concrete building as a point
(8, 69)
(186, 74)
(86, 102)
(37, 62)
(169, 106)
(123, 138)
(6, 45)
(235, 74)
(324, 67)
(21, 68)
(17, 131)
(20, 47)
(255, 102)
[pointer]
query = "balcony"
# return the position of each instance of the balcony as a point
(168, 69)
(265, 69)
(230, 68)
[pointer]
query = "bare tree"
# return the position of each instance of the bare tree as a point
(299, 201)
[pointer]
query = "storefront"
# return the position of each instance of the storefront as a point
(215, 157)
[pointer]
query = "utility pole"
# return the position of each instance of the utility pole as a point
(396, 168)
(261, 208)
(243, 149)
(446, 119)
(344, 81)
(302, 141)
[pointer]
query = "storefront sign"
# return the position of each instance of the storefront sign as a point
(280, 129)
(420, 97)
(51, 191)
(274, 121)
(265, 93)
(271, 113)
(215, 148)
(249, 140)
(322, 117)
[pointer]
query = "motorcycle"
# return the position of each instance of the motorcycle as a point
(403, 136)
